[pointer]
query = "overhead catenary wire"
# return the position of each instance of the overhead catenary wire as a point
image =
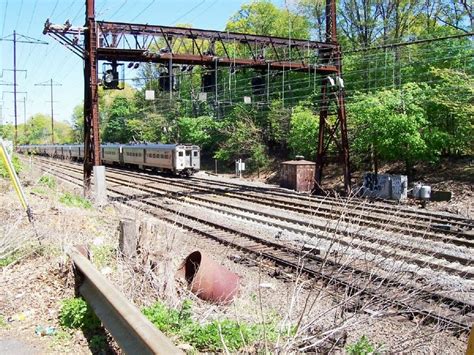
(143, 11)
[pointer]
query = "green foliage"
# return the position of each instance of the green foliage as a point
(97, 343)
(361, 347)
(303, 132)
(78, 123)
(264, 18)
(198, 130)
(37, 130)
(16, 165)
(48, 181)
(391, 123)
(209, 336)
(75, 313)
(3, 322)
(75, 201)
(450, 110)
(243, 139)
(116, 130)
(7, 131)
(9, 259)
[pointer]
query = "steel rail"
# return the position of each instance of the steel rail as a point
(186, 197)
(422, 307)
(132, 331)
(329, 211)
(432, 216)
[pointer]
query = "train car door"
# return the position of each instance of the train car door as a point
(121, 155)
(188, 158)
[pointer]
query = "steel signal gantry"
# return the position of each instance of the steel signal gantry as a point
(115, 41)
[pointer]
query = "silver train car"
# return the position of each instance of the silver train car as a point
(179, 159)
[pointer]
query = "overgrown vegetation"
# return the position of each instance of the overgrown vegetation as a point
(214, 336)
(10, 258)
(16, 165)
(75, 201)
(102, 255)
(75, 313)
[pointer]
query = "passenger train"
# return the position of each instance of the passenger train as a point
(179, 159)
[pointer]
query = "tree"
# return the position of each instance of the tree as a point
(242, 139)
(200, 130)
(450, 107)
(263, 18)
(121, 109)
(303, 135)
(390, 124)
(78, 123)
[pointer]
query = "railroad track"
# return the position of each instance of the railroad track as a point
(361, 217)
(458, 223)
(394, 250)
(451, 312)
(346, 237)
(297, 225)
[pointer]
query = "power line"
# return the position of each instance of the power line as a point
(188, 12)
(4, 18)
(141, 12)
(50, 83)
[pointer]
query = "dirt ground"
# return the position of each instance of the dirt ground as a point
(40, 278)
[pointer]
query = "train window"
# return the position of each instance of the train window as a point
(195, 153)
(180, 154)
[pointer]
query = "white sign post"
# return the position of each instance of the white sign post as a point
(149, 95)
(239, 167)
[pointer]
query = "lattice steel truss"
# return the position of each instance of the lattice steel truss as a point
(114, 41)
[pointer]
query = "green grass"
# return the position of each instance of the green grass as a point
(16, 165)
(75, 201)
(209, 336)
(3, 322)
(9, 259)
(48, 181)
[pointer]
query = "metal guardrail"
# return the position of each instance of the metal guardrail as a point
(132, 331)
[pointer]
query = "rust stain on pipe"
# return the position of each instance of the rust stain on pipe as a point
(209, 280)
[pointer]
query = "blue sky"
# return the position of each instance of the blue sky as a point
(53, 61)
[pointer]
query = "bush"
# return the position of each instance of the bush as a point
(75, 313)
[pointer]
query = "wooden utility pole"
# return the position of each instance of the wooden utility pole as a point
(50, 83)
(15, 40)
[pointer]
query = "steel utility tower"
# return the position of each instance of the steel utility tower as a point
(329, 132)
(113, 42)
